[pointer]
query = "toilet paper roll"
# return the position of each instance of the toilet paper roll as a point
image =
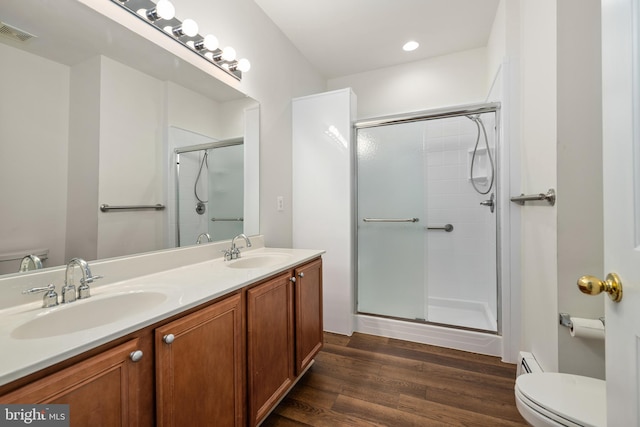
(587, 328)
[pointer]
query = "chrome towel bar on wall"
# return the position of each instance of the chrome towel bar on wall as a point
(549, 196)
(106, 208)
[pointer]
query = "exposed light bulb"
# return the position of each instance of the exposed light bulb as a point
(210, 42)
(228, 54)
(188, 28)
(165, 9)
(244, 65)
(410, 45)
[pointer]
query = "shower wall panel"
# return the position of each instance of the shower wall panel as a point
(462, 264)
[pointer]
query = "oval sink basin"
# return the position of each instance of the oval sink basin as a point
(259, 261)
(87, 314)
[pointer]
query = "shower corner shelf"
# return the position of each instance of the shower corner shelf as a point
(481, 175)
(479, 179)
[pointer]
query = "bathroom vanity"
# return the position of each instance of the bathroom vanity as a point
(224, 347)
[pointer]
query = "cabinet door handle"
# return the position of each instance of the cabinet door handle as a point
(168, 338)
(135, 356)
(293, 279)
(301, 274)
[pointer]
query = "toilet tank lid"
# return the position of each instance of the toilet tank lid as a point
(579, 399)
(42, 253)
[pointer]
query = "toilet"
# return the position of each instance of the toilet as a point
(556, 399)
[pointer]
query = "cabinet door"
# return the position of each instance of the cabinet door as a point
(269, 344)
(100, 391)
(308, 309)
(200, 368)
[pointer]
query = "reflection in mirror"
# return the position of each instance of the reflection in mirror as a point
(210, 187)
(87, 122)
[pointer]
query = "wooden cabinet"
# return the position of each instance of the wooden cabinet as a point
(200, 367)
(270, 343)
(225, 363)
(102, 390)
(308, 313)
(284, 333)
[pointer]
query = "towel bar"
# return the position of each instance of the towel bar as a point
(549, 196)
(106, 208)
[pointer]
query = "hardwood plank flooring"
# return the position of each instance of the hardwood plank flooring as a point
(366, 380)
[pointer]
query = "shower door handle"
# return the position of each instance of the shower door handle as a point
(390, 219)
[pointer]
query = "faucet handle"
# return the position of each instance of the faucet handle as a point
(84, 291)
(50, 298)
(227, 254)
(90, 279)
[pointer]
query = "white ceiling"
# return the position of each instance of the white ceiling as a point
(342, 37)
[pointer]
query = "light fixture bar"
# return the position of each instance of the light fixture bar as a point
(161, 15)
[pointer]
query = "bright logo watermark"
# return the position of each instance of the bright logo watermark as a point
(34, 415)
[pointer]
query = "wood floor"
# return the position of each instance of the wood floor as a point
(365, 380)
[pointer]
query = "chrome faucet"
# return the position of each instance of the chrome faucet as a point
(203, 236)
(234, 251)
(69, 289)
(30, 262)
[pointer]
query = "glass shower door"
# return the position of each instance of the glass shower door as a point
(391, 221)
(427, 223)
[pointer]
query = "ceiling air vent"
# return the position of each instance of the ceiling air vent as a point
(13, 33)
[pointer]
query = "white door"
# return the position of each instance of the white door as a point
(621, 159)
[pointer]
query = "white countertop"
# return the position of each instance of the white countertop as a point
(186, 286)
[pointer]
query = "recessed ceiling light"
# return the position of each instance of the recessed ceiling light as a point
(410, 45)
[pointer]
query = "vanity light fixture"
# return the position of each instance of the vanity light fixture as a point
(161, 15)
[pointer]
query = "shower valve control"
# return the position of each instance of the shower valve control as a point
(490, 203)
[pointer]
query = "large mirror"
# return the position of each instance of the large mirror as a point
(89, 114)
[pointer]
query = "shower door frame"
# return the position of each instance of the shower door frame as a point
(435, 114)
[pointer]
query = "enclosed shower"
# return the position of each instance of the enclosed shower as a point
(427, 218)
(209, 188)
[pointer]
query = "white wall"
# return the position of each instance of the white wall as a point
(455, 79)
(538, 174)
(33, 155)
(561, 149)
(580, 204)
(84, 145)
(130, 168)
(278, 74)
(323, 202)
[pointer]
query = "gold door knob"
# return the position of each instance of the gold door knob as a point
(591, 285)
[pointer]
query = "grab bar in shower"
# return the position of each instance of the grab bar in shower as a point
(549, 196)
(390, 219)
(106, 208)
(227, 219)
(447, 227)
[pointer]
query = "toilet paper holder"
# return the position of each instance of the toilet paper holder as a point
(565, 320)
